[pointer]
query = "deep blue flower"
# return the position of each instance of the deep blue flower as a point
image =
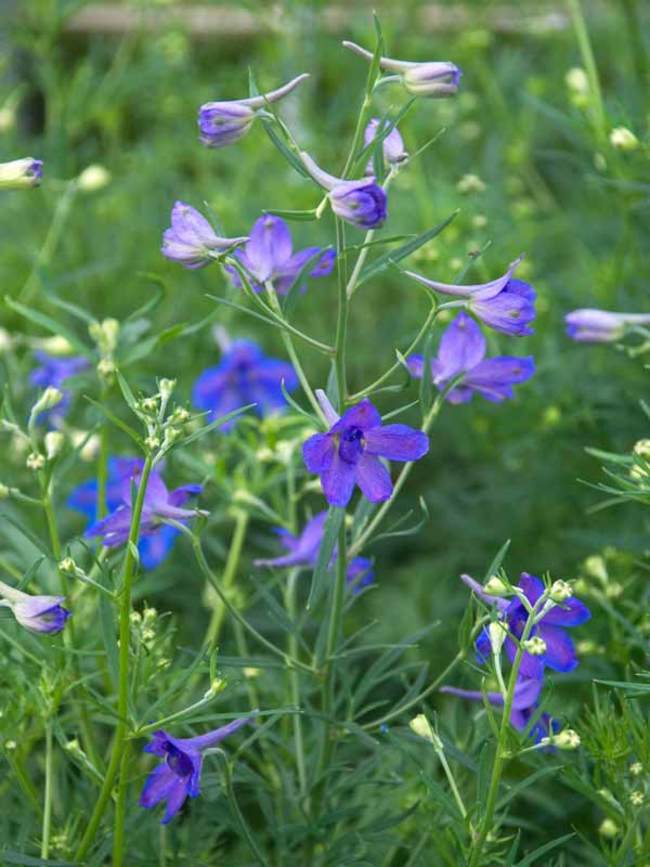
(180, 773)
(191, 240)
(349, 453)
(244, 376)
(303, 551)
(462, 354)
(601, 326)
(41, 614)
(269, 256)
(53, 371)
(505, 304)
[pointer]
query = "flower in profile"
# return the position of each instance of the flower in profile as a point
(362, 203)
(159, 504)
(601, 326)
(244, 376)
(191, 240)
(52, 372)
(153, 548)
(461, 359)
(222, 123)
(392, 144)
(505, 304)
(43, 614)
(268, 257)
(179, 775)
(303, 551)
(18, 174)
(349, 453)
(435, 79)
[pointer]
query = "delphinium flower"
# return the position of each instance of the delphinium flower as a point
(433, 79)
(268, 257)
(601, 326)
(222, 123)
(243, 376)
(505, 304)
(43, 614)
(153, 548)
(461, 358)
(52, 372)
(362, 203)
(392, 145)
(179, 775)
(191, 240)
(303, 551)
(18, 174)
(159, 503)
(349, 453)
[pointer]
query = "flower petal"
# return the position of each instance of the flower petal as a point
(462, 347)
(573, 612)
(268, 247)
(397, 442)
(364, 416)
(373, 478)
(318, 452)
(560, 651)
(338, 480)
(157, 786)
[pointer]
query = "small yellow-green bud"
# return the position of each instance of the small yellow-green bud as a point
(106, 368)
(637, 798)
(135, 617)
(73, 746)
(636, 769)
(217, 686)
(470, 183)
(536, 646)
(166, 387)
(568, 739)
(497, 632)
(576, 80)
(608, 828)
(560, 591)
(6, 341)
(642, 449)
(152, 443)
(54, 441)
(623, 139)
(35, 461)
(614, 590)
(5, 492)
(595, 567)
(422, 727)
(10, 745)
(67, 566)
(479, 221)
(50, 398)
(149, 404)
(55, 345)
(250, 672)
(92, 178)
(496, 587)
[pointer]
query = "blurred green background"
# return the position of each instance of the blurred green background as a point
(551, 185)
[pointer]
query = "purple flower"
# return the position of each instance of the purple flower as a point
(53, 371)
(243, 376)
(505, 304)
(462, 354)
(560, 654)
(191, 240)
(159, 503)
(222, 123)
(17, 174)
(433, 79)
(303, 551)
(269, 256)
(362, 203)
(153, 548)
(601, 326)
(36, 613)
(179, 775)
(392, 145)
(349, 453)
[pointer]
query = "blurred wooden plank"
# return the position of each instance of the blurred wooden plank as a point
(215, 21)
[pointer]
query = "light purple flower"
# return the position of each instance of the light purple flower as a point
(601, 326)
(462, 354)
(392, 144)
(362, 203)
(268, 256)
(44, 614)
(191, 240)
(18, 174)
(222, 123)
(505, 304)
(159, 503)
(180, 773)
(432, 79)
(349, 453)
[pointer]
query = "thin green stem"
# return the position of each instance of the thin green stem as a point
(121, 729)
(239, 816)
(586, 51)
(363, 253)
(362, 120)
(47, 799)
(229, 574)
(120, 807)
(340, 344)
(294, 687)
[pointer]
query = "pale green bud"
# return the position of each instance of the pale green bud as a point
(422, 727)
(19, 174)
(560, 591)
(608, 828)
(496, 587)
(623, 139)
(536, 646)
(54, 441)
(35, 461)
(48, 400)
(92, 178)
(637, 798)
(470, 183)
(568, 739)
(636, 769)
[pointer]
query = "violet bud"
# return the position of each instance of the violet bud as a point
(601, 326)
(191, 240)
(35, 613)
(392, 144)
(434, 79)
(17, 174)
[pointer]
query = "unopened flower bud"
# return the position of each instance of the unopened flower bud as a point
(623, 139)
(217, 686)
(105, 334)
(576, 80)
(568, 739)
(19, 174)
(637, 798)
(166, 387)
(54, 441)
(496, 587)
(5, 492)
(180, 415)
(536, 646)
(67, 566)
(149, 404)
(497, 632)
(642, 449)
(595, 567)
(106, 368)
(6, 341)
(608, 828)
(470, 183)
(422, 727)
(50, 398)
(35, 461)
(636, 769)
(433, 80)
(251, 672)
(560, 591)
(152, 443)
(92, 178)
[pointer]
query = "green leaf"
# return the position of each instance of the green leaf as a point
(495, 565)
(333, 523)
(298, 216)
(128, 395)
(285, 150)
(123, 426)
(532, 857)
(109, 636)
(72, 309)
(49, 324)
(217, 423)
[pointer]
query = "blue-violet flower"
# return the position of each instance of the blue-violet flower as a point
(362, 203)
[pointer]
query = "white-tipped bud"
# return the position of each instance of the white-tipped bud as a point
(636, 769)
(6, 341)
(250, 672)
(106, 368)
(105, 334)
(422, 727)
(536, 646)
(54, 441)
(595, 567)
(35, 461)
(18, 174)
(623, 139)
(92, 178)
(608, 828)
(560, 591)
(497, 632)
(68, 566)
(50, 398)
(149, 405)
(637, 799)
(470, 183)
(642, 449)
(56, 345)
(568, 739)
(496, 587)
(152, 443)
(577, 80)
(166, 387)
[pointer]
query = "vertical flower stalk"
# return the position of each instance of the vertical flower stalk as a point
(229, 574)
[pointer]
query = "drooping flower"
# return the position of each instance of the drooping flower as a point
(392, 145)
(362, 203)
(191, 240)
(52, 372)
(243, 376)
(601, 326)
(461, 356)
(43, 614)
(433, 79)
(153, 548)
(159, 503)
(505, 304)
(349, 453)
(18, 174)
(268, 256)
(222, 123)
(179, 775)
(303, 551)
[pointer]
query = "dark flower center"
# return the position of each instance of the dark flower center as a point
(178, 761)
(351, 445)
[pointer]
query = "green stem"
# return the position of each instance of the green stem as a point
(120, 807)
(47, 802)
(342, 319)
(229, 575)
(363, 254)
(121, 730)
(294, 688)
(362, 120)
(586, 51)
(239, 816)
